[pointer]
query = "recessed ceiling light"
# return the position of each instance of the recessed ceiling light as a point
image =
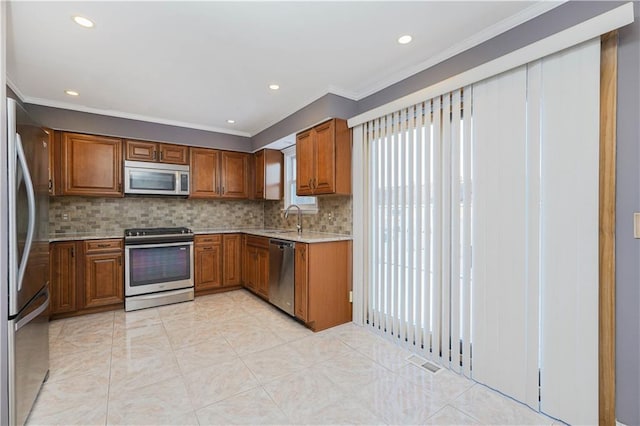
(274, 86)
(405, 39)
(83, 22)
(231, 121)
(72, 93)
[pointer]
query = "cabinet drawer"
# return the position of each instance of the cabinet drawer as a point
(207, 239)
(93, 246)
(257, 241)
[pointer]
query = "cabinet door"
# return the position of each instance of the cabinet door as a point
(63, 277)
(174, 154)
(325, 166)
(262, 273)
(140, 150)
(231, 247)
(234, 168)
(103, 279)
(301, 282)
(204, 173)
(92, 165)
(259, 175)
(251, 268)
(208, 262)
(305, 159)
(53, 161)
(243, 259)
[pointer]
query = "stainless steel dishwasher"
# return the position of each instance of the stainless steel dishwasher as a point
(281, 274)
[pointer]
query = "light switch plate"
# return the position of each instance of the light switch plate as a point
(636, 225)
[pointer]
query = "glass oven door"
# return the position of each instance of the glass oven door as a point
(158, 267)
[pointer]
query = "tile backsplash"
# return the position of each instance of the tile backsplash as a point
(334, 215)
(110, 216)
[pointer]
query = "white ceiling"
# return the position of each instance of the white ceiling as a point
(197, 64)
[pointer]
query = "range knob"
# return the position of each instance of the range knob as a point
(138, 233)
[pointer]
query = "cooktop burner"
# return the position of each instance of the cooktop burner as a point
(142, 232)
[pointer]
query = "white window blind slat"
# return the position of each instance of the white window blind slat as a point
(427, 235)
(412, 283)
(456, 150)
(466, 231)
(404, 285)
(445, 247)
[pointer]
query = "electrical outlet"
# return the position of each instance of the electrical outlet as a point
(330, 215)
(636, 225)
(66, 217)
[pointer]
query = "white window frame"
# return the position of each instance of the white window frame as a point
(289, 181)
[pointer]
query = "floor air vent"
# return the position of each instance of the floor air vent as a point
(423, 363)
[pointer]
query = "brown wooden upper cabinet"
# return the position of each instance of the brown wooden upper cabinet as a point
(323, 159)
(89, 165)
(156, 152)
(219, 174)
(269, 174)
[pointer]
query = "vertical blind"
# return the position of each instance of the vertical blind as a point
(481, 226)
(420, 226)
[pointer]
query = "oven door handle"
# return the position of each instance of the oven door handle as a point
(142, 244)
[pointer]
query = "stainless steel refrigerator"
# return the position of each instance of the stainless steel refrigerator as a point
(28, 334)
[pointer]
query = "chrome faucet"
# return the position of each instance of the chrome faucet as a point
(286, 215)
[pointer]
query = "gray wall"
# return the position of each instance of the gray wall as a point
(63, 119)
(628, 248)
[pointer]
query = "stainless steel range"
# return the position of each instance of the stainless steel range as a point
(158, 267)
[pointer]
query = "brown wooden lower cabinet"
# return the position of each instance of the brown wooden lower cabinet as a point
(217, 261)
(323, 283)
(257, 265)
(207, 262)
(103, 279)
(301, 282)
(63, 279)
(86, 276)
(231, 259)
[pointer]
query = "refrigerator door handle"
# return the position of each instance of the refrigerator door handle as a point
(31, 200)
(27, 319)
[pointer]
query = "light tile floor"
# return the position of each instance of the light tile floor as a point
(233, 359)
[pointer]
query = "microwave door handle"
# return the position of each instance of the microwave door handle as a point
(31, 201)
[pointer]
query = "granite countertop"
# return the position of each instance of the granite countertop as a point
(83, 236)
(281, 234)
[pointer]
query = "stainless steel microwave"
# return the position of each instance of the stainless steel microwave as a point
(155, 178)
